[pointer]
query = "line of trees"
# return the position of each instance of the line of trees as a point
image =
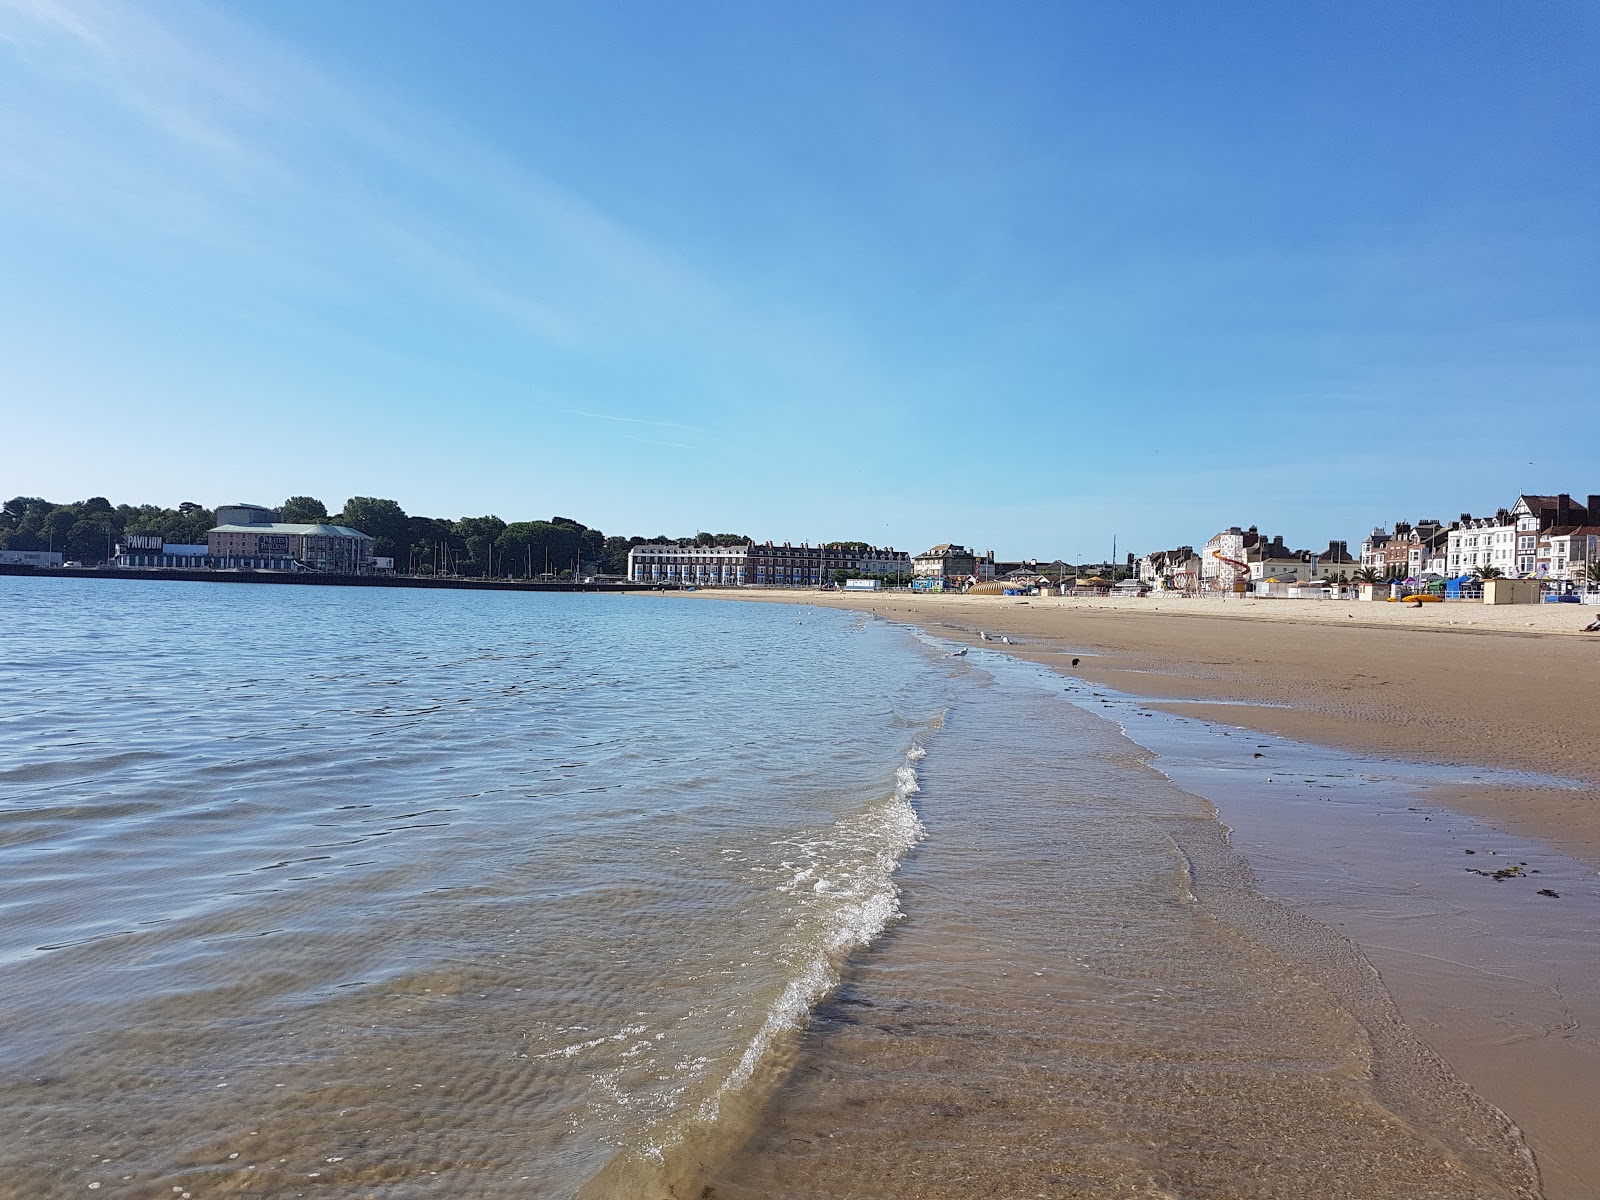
(88, 531)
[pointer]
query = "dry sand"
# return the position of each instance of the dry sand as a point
(1510, 687)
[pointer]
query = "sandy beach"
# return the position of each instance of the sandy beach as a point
(1508, 686)
(1454, 685)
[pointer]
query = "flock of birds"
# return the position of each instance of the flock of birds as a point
(983, 636)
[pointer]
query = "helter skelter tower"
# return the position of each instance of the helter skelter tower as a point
(1231, 573)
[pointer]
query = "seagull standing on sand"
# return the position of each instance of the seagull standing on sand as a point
(984, 636)
(1005, 639)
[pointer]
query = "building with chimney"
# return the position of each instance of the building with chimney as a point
(1269, 558)
(1175, 570)
(1335, 563)
(1224, 562)
(951, 565)
(1565, 553)
(1509, 541)
(1405, 553)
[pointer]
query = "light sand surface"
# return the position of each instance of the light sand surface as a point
(1512, 688)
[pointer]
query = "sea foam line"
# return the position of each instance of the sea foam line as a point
(870, 903)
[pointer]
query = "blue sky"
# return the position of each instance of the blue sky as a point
(1025, 276)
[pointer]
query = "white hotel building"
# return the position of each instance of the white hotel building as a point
(707, 566)
(751, 564)
(1510, 541)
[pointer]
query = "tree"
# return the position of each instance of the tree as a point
(1593, 572)
(384, 521)
(435, 544)
(304, 510)
(1366, 575)
(477, 535)
(614, 555)
(1490, 573)
(526, 547)
(91, 539)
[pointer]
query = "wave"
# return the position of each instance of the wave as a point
(842, 880)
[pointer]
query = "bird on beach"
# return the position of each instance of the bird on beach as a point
(982, 636)
(961, 653)
(1005, 639)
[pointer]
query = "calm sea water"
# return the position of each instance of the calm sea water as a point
(353, 892)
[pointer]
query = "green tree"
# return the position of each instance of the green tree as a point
(526, 547)
(435, 547)
(91, 539)
(614, 555)
(1593, 572)
(1366, 575)
(1490, 573)
(384, 521)
(304, 510)
(22, 523)
(477, 535)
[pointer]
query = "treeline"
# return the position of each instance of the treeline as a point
(88, 531)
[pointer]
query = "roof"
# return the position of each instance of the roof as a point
(281, 528)
(1541, 506)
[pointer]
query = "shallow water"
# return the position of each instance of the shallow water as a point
(499, 895)
(1089, 998)
(456, 894)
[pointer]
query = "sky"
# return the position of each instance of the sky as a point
(1026, 276)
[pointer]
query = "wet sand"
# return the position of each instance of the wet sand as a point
(1509, 686)
(1420, 686)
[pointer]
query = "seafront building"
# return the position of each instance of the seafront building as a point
(1567, 552)
(948, 565)
(762, 564)
(1407, 552)
(1271, 559)
(1509, 541)
(148, 551)
(1336, 563)
(250, 537)
(1224, 564)
(1176, 570)
(331, 549)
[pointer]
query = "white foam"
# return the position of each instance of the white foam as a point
(851, 870)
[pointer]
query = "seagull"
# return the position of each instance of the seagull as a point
(984, 636)
(1005, 639)
(961, 653)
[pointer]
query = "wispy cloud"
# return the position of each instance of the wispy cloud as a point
(654, 442)
(627, 420)
(209, 134)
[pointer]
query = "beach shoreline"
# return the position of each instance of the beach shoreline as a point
(1463, 684)
(1502, 696)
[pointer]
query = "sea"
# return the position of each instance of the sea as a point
(346, 892)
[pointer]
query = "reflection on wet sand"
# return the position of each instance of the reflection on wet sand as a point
(1089, 999)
